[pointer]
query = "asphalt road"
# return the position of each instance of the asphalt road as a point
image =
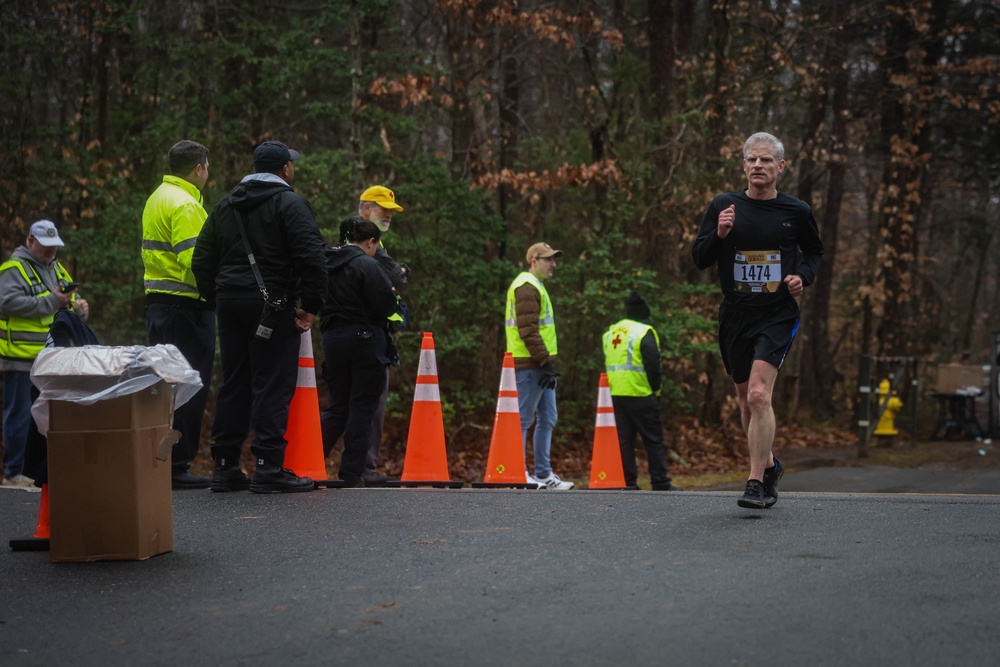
(498, 577)
(931, 479)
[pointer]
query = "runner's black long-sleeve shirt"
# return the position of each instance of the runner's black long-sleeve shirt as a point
(761, 249)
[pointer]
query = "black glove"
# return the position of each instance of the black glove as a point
(549, 376)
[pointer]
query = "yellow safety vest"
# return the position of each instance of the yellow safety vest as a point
(623, 358)
(171, 222)
(396, 317)
(22, 338)
(546, 319)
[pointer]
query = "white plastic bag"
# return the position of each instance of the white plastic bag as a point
(94, 373)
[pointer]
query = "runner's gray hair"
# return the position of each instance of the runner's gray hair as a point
(764, 138)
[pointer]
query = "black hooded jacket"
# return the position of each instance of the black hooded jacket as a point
(359, 290)
(283, 235)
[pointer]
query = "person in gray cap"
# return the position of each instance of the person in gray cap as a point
(255, 290)
(34, 286)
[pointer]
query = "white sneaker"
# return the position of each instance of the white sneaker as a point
(531, 479)
(21, 481)
(554, 483)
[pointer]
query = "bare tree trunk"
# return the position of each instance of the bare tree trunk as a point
(822, 380)
(662, 52)
(355, 46)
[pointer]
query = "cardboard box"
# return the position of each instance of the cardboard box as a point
(952, 377)
(109, 477)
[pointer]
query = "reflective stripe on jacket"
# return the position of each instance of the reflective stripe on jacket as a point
(22, 338)
(546, 318)
(171, 221)
(623, 358)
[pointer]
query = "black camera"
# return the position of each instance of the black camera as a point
(269, 319)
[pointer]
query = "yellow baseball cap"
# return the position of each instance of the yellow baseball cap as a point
(382, 196)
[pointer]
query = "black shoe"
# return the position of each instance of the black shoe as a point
(375, 479)
(351, 481)
(229, 479)
(753, 497)
(185, 480)
(279, 480)
(772, 476)
(666, 486)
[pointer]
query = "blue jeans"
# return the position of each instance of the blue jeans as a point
(16, 417)
(532, 402)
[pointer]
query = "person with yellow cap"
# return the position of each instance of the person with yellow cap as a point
(376, 205)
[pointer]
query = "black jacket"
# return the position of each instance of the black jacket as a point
(359, 290)
(283, 235)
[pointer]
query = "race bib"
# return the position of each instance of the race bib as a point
(757, 271)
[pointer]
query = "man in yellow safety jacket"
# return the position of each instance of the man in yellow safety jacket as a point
(530, 326)
(33, 287)
(175, 312)
(632, 362)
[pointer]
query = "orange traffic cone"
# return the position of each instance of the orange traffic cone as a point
(426, 462)
(505, 465)
(40, 542)
(42, 529)
(606, 465)
(304, 453)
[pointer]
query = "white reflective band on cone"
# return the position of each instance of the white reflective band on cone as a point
(507, 404)
(605, 419)
(306, 345)
(508, 382)
(427, 392)
(604, 397)
(428, 364)
(306, 378)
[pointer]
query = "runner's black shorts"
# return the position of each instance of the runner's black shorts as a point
(760, 333)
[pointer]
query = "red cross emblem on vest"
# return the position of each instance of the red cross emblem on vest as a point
(616, 341)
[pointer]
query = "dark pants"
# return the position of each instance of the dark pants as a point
(192, 330)
(641, 415)
(258, 382)
(378, 421)
(16, 419)
(355, 372)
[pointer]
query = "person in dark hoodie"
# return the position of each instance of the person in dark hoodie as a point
(356, 343)
(632, 361)
(255, 292)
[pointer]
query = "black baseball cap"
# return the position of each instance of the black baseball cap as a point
(271, 156)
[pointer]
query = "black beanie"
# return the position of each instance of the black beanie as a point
(636, 307)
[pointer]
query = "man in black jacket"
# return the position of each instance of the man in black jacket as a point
(258, 322)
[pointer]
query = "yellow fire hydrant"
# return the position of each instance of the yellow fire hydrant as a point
(887, 422)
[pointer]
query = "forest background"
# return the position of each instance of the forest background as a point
(601, 127)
